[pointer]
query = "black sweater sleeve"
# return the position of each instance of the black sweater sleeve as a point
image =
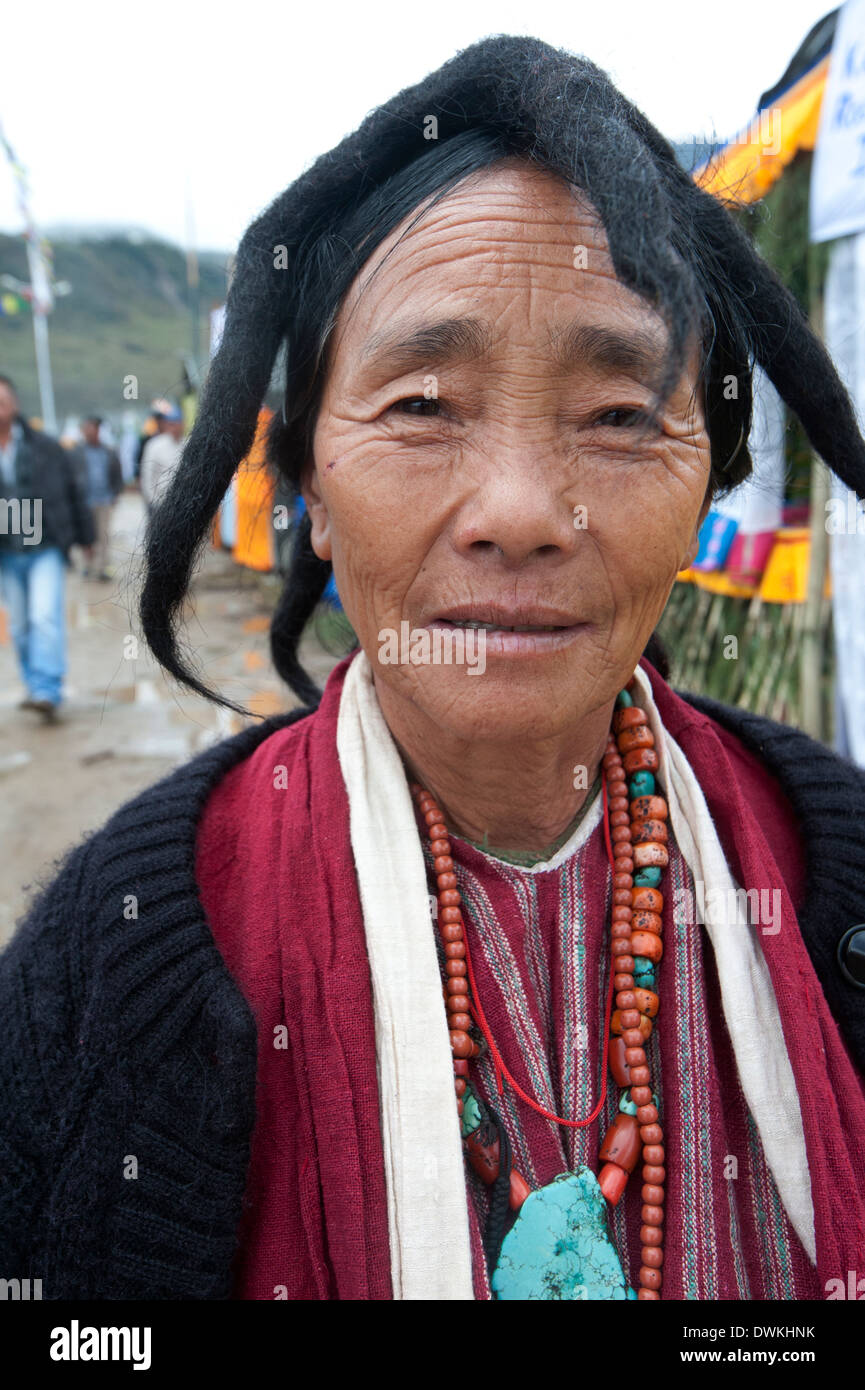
(41, 990)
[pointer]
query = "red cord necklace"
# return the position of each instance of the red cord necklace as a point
(499, 1065)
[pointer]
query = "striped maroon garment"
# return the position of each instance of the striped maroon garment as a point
(539, 941)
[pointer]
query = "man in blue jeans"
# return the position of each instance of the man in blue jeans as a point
(43, 513)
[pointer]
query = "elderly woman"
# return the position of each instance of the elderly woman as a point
(498, 969)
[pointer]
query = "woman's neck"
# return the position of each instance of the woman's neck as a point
(529, 859)
(516, 795)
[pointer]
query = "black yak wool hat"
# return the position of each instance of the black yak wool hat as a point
(671, 242)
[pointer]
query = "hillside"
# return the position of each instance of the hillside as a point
(126, 315)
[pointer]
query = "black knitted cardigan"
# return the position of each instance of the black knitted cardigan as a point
(128, 1064)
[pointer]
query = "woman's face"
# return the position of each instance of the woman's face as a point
(475, 460)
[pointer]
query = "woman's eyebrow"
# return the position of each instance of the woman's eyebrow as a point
(637, 353)
(419, 343)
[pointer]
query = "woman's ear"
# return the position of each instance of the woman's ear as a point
(694, 543)
(318, 513)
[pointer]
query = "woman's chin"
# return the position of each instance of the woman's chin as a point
(506, 701)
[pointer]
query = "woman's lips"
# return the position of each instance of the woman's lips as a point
(504, 641)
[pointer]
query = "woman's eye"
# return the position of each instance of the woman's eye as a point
(417, 405)
(623, 417)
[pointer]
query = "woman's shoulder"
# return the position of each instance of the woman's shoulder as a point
(788, 777)
(810, 802)
(799, 762)
(115, 935)
(762, 749)
(238, 832)
(761, 781)
(804, 795)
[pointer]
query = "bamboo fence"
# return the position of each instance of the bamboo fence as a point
(745, 652)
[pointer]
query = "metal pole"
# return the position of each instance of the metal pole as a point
(40, 289)
(43, 371)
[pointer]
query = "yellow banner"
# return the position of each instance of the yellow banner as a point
(785, 578)
(748, 166)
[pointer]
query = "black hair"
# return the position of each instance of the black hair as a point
(7, 381)
(670, 241)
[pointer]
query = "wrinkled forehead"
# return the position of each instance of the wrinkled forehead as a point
(513, 214)
(512, 245)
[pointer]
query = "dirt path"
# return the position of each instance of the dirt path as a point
(124, 725)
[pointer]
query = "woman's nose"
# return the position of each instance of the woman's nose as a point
(519, 510)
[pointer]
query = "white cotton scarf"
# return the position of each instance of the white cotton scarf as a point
(426, 1190)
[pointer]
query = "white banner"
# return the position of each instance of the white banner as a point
(758, 503)
(217, 327)
(838, 171)
(844, 328)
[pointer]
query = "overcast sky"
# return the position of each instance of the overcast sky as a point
(127, 113)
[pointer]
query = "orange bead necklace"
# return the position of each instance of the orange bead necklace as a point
(635, 832)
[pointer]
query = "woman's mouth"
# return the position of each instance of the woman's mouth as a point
(521, 636)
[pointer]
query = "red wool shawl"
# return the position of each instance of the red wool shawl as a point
(281, 895)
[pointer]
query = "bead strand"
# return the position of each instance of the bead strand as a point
(484, 1157)
(458, 996)
(637, 818)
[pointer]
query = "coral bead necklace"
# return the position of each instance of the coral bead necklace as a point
(635, 828)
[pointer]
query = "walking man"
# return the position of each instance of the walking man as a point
(160, 458)
(43, 512)
(104, 484)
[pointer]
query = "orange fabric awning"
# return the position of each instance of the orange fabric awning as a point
(747, 167)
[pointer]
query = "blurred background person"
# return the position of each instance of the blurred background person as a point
(161, 456)
(43, 489)
(152, 427)
(104, 482)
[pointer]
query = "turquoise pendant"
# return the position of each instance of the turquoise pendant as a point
(559, 1248)
(641, 784)
(644, 973)
(647, 878)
